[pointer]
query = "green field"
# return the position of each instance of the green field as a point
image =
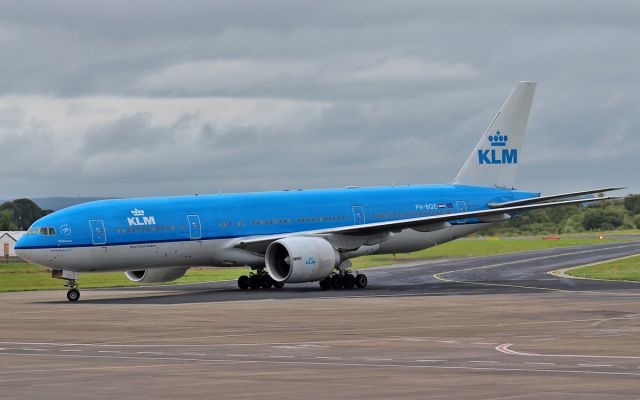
(20, 276)
(626, 269)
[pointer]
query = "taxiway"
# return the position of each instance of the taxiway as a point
(478, 328)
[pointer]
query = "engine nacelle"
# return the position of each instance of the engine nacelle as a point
(301, 259)
(155, 275)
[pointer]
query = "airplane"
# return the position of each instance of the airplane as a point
(293, 236)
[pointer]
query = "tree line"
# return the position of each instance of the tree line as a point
(618, 214)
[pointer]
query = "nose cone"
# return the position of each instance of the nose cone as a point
(21, 247)
(27, 249)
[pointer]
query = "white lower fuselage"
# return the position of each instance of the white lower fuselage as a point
(212, 253)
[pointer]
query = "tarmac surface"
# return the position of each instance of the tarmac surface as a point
(479, 328)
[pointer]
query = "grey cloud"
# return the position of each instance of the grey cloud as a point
(127, 134)
(407, 88)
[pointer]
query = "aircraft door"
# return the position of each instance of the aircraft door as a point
(98, 234)
(461, 206)
(358, 215)
(195, 230)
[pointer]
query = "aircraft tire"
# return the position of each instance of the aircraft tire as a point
(73, 294)
(243, 282)
(266, 282)
(337, 282)
(361, 281)
(325, 284)
(349, 281)
(255, 282)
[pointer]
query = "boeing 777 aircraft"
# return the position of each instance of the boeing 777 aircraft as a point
(293, 236)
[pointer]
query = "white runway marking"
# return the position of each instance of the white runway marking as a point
(70, 350)
(504, 348)
(109, 351)
(595, 365)
(196, 354)
(431, 360)
(539, 363)
(149, 352)
(28, 349)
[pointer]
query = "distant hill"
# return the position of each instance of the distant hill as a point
(58, 203)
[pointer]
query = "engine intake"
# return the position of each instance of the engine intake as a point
(155, 275)
(301, 259)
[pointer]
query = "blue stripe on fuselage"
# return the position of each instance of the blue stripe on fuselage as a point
(166, 219)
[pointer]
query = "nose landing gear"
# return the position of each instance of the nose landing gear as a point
(73, 294)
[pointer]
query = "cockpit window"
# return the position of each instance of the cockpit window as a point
(47, 231)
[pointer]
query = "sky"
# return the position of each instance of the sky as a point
(153, 98)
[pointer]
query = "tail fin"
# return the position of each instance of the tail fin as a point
(494, 160)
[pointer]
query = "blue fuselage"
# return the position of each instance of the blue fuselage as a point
(206, 217)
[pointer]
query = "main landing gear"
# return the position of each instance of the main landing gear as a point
(344, 279)
(258, 279)
(73, 294)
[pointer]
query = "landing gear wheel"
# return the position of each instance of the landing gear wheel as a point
(255, 282)
(337, 282)
(325, 284)
(278, 285)
(349, 281)
(267, 282)
(361, 281)
(243, 282)
(73, 294)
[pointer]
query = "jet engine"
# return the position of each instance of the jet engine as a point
(155, 275)
(300, 259)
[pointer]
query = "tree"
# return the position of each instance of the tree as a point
(6, 221)
(603, 219)
(25, 212)
(632, 203)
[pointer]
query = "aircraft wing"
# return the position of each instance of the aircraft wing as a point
(259, 244)
(541, 199)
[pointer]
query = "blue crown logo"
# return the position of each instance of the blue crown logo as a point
(498, 139)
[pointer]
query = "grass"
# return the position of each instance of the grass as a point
(21, 276)
(626, 269)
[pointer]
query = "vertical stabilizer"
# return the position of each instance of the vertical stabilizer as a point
(494, 161)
